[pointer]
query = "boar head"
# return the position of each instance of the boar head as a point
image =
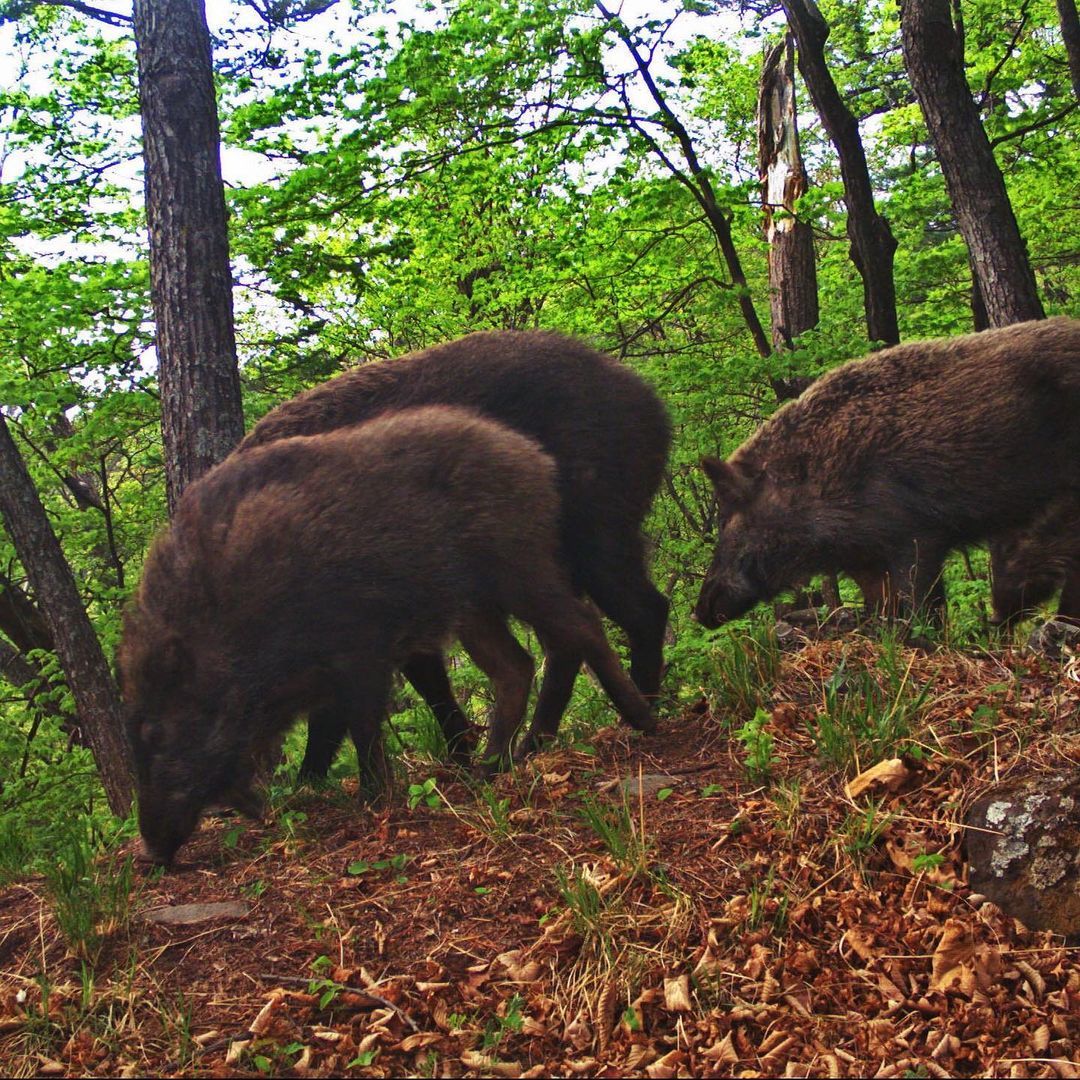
(1019, 585)
(760, 550)
(189, 744)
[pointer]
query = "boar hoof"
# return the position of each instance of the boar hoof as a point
(146, 859)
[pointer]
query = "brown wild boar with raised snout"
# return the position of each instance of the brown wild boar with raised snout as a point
(310, 569)
(609, 435)
(887, 463)
(1028, 567)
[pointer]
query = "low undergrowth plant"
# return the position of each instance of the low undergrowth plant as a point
(90, 897)
(746, 668)
(757, 746)
(868, 712)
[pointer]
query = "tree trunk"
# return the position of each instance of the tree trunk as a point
(872, 242)
(935, 63)
(1070, 34)
(202, 419)
(793, 293)
(77, 646)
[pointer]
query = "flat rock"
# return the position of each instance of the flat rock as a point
(190, 914)
(651, 783)
(1023, 846)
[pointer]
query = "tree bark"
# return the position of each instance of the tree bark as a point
(793, 292)
(1070, 34)
(933, 53)
(77, 646)
(191, 282)
(872, 243)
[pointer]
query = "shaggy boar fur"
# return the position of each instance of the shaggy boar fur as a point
(887, 463)
(609, 435)
(1028, 567)
(310, 569)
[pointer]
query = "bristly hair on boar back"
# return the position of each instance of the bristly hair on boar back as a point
(887, 463)
(310, 569)
(608, 433)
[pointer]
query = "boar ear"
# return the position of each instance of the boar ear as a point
(733, 487)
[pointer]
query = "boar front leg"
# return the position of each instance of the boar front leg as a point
(369, 699)
(328, 724)
(915, 584)
(1069, 604)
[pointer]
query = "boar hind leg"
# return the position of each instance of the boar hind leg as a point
(427, 673)
(488, 640)
(560, 671)
(570, 629)
(618, 583)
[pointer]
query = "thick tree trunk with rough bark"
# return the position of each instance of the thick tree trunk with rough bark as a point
(77, 646)
(191, 282)
(933, 54)
(873, 245)
(793, 293)
(1070, 34)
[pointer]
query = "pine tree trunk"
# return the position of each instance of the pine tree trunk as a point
(873, 245)
(934, 57)
(793, 292)
(191, 282)
(77, 646)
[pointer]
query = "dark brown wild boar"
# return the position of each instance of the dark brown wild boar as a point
(310, 569)
(609, 435)
(887, 463)
(1028, 567)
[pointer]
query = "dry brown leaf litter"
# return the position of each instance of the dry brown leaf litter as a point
(742, 933)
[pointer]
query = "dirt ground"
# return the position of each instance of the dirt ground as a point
(644, 906)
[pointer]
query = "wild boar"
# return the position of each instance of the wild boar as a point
(609, 435)
(1029, 566)
(887, 463)
(310, 569)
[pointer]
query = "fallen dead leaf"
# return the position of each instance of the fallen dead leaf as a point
(677, 994)
(886, 775)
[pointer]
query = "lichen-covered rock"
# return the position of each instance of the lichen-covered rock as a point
(1023, 846)
(1055, 638)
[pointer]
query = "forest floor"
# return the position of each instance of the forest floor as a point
(683, 904)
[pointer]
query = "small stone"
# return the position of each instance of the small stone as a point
(651, 783)
(190, 914)
(1054, 638)
(1022, 842)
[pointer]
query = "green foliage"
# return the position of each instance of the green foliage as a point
(613, 824)
(89, 898)
(744, 663)
(758, 746)
(868, 712)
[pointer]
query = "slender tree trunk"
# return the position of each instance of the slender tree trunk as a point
(872, 242)
(934, 57)
(77, 646)
(202, 419)
(793, 292)
(1070, 33)
(694, 178)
